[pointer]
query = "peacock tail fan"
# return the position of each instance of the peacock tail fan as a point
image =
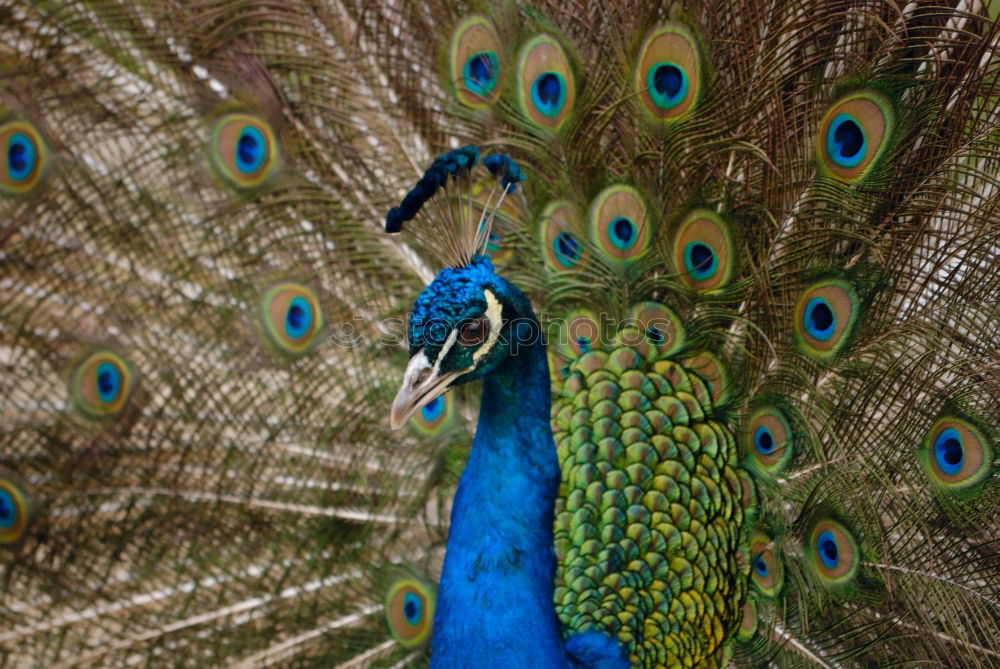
(761, 239)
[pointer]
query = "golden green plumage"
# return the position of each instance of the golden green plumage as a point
(201, 324)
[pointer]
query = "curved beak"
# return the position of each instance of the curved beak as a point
(421, 384)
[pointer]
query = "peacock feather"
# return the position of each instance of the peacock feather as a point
(685, 353)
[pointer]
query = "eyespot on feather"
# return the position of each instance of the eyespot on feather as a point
(562, 248)
(559, 368)
(244, 150)
(668, 75)
(767, 441)
(546, 85)
(409, 612)
(766, 569)
(833, 553)
(505, 219)
(619, 225)
(436, 417)
(854, 134)
(580, 333)
(749, 621)
(291, 316)
(17, 509)
(711, 369)
(655, 325)
(476, 61)
(25, 157)
(825, 316)
(101, 383)
(956, 455)
(703, 251)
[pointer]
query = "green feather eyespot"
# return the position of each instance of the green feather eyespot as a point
(562, 248)
(244, 150)
(766, 570)
(559, 368)
(504, 221)
(703, 251)
(292, 318)
(435, 417)
(475, 59)
(25, 157)
(833, 553)
(668, 76)
(620, 225)
(825, 316)
(101, 383)
(711, 369)
(767, 440)
(749, 621)
(854, 134)
(956, 455)
(17, 509)
(409, 612)
(546, 86)
(657, 326)
(580, 334)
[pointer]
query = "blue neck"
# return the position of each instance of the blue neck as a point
(495, 597)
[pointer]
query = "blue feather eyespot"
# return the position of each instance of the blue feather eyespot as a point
(291, 317)
(703, 251)
(25, 157)
(825, 316)
(16, 509)
(409, 612)
(854, 134)
(667, 84)
(668, 75)
(549, 93)
(948, 452)
(546, 86)
(475, 62)
(559, 368)
(101, 383)
(700, 261)
(251, 150)
(834, 552)
(760, 567)
(619, 225)
(433, 409)
(436, 417)
(957, 455)
(244, 150)
(818, 319)
(768, 576)
(763, 441)
(659, 327)
(562, 247)
(622, 233)
(845, 141)
(480, 73)
(768, 441)
(580, 333)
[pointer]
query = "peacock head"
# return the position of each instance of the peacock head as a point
(464, 325)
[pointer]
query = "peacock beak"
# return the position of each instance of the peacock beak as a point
(421, 383)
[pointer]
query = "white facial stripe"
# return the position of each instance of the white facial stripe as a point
(493, 312)
(448, 343)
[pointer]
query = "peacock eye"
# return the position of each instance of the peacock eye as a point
(474, 332)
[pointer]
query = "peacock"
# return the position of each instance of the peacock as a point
(499, 333)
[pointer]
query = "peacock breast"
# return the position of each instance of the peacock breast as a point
(649, 522)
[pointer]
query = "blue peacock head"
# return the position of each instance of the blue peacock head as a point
(469, 320)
